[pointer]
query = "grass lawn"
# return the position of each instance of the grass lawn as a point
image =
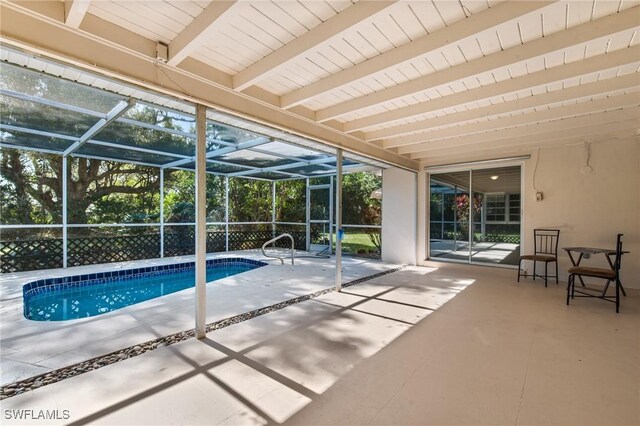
(357, 241)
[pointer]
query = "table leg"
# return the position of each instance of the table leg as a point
(608, 256)
(577, 264)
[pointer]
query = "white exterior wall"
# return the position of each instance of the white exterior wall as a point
(589, 209)
(399, 213)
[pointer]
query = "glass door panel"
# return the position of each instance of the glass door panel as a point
(497, 216)
(475, 215)
(449, 213)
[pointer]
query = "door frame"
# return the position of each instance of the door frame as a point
(462, 167)
(329, 221)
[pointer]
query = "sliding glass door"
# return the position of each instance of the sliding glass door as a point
(475, 215)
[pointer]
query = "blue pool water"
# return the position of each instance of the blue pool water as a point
(83, 296)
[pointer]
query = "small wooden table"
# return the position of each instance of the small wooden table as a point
(589, 251)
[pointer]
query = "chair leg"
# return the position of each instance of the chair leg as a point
(519, 268)
(573, 287)
(546, 265)
(556, 271)
(568, 288)
(534, 270)
(617, 296)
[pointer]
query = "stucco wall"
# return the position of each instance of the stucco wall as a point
(399, 210)
(589, 209)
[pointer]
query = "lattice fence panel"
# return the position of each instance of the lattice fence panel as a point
(30, 255)
(501, 238)
(92, 250)
(179, 243)
(215, 241)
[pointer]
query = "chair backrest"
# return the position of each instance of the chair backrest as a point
(618, 259)
(545, 241)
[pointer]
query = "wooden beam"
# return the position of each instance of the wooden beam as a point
(571, 93)
(581, 108)
(41, 34)
(517, 134)
(74, 12)
(623, 129)
(198, 31)
(591, 65)
(323, 33)
(454, 33)
(611, 24)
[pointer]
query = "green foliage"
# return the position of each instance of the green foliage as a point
(358, 206)
(249, 200)
(291, 201)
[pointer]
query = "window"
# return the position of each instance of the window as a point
(514, 207)
(496, 207)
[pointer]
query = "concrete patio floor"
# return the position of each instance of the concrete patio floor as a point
(451, 344)
(30, 347)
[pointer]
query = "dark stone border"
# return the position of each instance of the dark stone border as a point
(35, 382)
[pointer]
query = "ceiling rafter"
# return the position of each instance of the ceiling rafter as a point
(593, 64)
(488, 150)
(567, 94)
(602, 27)
(74, 12)
(456, 32)
(198, 31)
(517, 133)
(581, 108)
(322, 33)
(132, 58)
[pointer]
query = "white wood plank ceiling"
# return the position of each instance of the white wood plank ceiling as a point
(431, 80)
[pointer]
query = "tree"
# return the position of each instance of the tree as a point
(359, 207)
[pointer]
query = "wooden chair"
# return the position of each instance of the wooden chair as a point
(609, 274)
(545, 249)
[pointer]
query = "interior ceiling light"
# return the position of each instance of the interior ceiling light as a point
(495, 177)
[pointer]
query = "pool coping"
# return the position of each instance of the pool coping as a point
(25, 385)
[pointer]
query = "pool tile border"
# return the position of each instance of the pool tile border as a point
(16, 388)
(78, 281)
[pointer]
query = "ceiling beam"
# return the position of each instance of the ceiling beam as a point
(587, 90)
(517, 134)
(609, 132)
(198, 31)
(454, 33)
(611, 24)
(74, 12)
(130, 58)
(312, 39)
(546, 114)
(591, 65)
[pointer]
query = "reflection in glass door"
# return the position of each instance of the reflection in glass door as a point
(449, 228)
(475, 215)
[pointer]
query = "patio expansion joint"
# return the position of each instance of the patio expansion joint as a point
(16, 388)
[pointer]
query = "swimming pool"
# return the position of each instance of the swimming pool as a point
(81, 296)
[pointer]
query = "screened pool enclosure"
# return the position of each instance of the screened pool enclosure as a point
(94, 171)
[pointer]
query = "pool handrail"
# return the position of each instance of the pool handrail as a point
(273, 240)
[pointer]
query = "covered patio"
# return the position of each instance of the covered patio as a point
(463, 338)
(409, 148)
